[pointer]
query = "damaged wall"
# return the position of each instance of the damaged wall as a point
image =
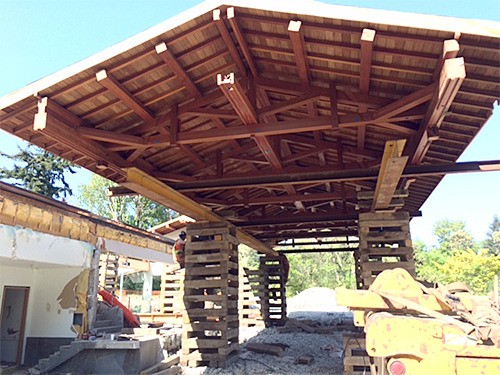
(49, 265)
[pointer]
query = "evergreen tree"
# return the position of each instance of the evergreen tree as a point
(39, 171)
(492, 242)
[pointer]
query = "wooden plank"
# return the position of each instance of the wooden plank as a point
(265, 349)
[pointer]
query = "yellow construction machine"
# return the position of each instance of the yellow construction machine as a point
(415, 330)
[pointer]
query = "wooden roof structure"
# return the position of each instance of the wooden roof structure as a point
(281, 117)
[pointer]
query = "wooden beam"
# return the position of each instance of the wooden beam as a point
(240, 37)
(299, 50)
(322, 144)
(406, 103)
(213, 113)
(174, 123)
(125, 96)
(111, 137)
(276, 200)
(243, 107)
(301, 100)
(271, 128)
(451, 78)
(61, 126)
(367, 38)
(228, 41)
(195, 158)
(237, 97)
(169, 59)
(149, 187)
(320, 175)
(317, 217)
(450, 51)
(334, 109)
(318, 250)
(390, 172)
(345, 97)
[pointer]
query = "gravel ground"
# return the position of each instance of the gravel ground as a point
(317, 306)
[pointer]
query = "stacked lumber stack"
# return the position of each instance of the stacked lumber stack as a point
(356, 359)
(384, 243)
(172, 294)
(274, 293)
(210, 331)
(249, 300)
(108, 271)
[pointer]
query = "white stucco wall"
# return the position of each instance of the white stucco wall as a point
(18, 243)
(45, 264)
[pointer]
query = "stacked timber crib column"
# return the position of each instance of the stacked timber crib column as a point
(274, 293)
(210, 330)
(249, 301)
(384, 243)
(356, 359)
(172, 294)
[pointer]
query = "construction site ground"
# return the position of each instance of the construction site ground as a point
(313, 334)
(311, 342)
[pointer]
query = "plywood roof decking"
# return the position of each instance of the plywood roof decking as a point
(133, 125)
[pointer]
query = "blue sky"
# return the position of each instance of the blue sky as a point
(38, 38)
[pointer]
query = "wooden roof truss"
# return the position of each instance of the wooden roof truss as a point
(275, 118)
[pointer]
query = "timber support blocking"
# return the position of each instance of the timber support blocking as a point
(384, 243)
(211, 324)
(274, 293)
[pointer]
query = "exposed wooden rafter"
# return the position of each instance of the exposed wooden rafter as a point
(366, 52)
(123, 94)
(168, 57)
(233, 21)
(296, 35)
(451, 78)
(226, 36)
(243, 106)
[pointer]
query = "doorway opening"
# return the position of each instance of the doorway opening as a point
(12, 324)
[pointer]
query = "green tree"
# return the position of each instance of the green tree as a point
(492, 242)
(476, 269)
(457, 257)
(328, 270)
(133, 210)
(452, 236)
(39, 171)
(248, 257)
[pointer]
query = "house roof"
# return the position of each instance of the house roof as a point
(304, 88)
(46, 215)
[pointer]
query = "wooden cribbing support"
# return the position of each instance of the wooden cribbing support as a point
(210, 320)
(384, 243)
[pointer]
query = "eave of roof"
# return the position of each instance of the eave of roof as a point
(52, 205)
(311, 8)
